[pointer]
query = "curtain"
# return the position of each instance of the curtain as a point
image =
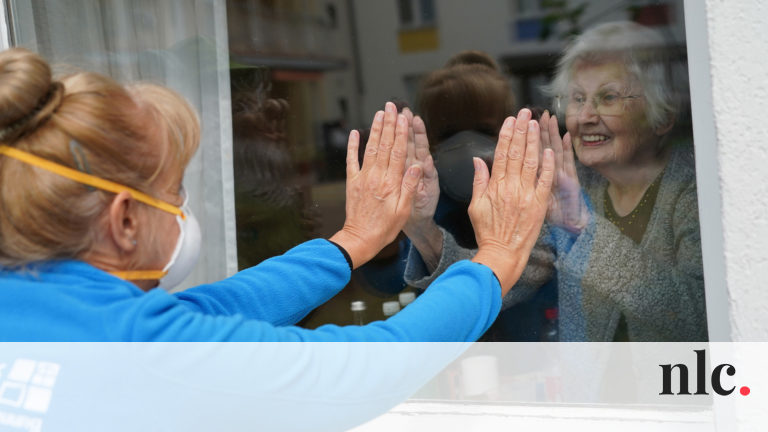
(178, 43)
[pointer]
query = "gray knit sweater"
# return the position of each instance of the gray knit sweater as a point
(658, 284)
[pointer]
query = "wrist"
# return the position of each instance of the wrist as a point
(423, 230)
(578, 226)
(420, 228)
(355, 246)
(506, 270)
(427, 238)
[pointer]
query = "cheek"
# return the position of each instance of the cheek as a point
(571, 124)
(165, 233)
(171, 233)
(630, 135)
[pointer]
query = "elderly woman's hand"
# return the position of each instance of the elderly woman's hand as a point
(428, 191)
(508, 207)
(421, 228)
(379, 196)
(567, 208)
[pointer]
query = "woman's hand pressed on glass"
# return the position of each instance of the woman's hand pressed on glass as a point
(379, 196)
(567, 208)
(508, 207)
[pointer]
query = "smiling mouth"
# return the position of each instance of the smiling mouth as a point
(593, 140)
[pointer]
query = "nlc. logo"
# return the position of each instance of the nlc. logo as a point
(701, 377)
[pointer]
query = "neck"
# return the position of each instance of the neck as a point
(627, 183)
(110, 261)
(636, 174)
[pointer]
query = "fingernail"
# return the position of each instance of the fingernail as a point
(390, 107)
(414, 171)
(531, 125)
(525, 114)
(509, 122)
(401, 121)
(475, 162)
(379, 116)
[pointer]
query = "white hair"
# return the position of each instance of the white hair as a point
(643, 52)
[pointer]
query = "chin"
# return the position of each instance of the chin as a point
(591, 156)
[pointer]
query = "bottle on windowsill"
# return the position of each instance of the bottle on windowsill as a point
(550, 331)
(358, 309)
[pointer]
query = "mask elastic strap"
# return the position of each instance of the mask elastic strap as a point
(88, 179)
(103, 184)
(139, 274)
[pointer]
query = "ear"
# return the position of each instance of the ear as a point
(665, 126)
(124, 222)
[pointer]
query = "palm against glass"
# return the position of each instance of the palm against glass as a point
(428, 190)
(567, 208)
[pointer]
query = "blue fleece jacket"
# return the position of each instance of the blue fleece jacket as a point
(74, 301)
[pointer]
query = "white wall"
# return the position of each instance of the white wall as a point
(738, 45)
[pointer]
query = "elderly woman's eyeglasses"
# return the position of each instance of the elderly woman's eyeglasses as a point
(607, 103)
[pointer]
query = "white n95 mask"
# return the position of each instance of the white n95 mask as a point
(187, 249)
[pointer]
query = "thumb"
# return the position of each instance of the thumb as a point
(480, 183)
(408, 188)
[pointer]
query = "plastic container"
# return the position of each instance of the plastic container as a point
(358, 309)
(406, 298)
(390, 308)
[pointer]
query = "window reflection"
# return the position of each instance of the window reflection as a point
(620, 257)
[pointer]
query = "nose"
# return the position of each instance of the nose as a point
(588, 114)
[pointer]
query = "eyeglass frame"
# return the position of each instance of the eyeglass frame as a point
(595, 104)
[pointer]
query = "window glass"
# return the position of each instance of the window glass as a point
(619, 257)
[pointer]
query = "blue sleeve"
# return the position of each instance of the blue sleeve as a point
(459, 306)
(281, 290)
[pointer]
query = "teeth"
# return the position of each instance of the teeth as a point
(593, 138)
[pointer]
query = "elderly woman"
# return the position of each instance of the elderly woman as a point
(622, 236)
(100, 219)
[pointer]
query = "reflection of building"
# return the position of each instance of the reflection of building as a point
(525, 37)
(305, 47)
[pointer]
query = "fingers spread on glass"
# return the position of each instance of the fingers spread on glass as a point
(531, 162)
(372, 146)
(427, 194)
(411, 158)
(502, 149)
(379, 197)
(507, 217)
(421, 141)
(387, 136)
(398, 152)
(518, 145)
(353, 163)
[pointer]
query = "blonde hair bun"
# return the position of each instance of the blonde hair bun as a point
(27, 94)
